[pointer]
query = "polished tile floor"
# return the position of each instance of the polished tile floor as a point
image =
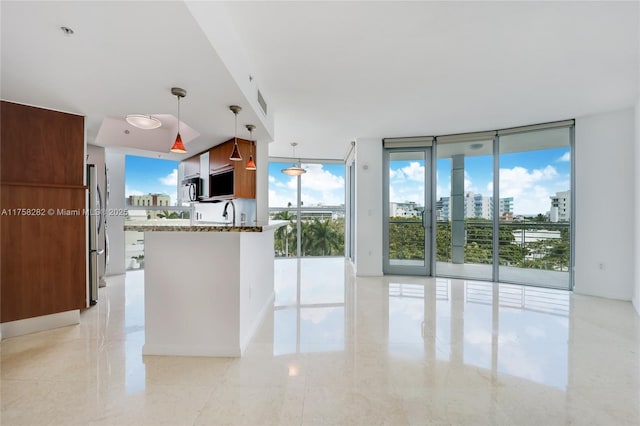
(343, 350)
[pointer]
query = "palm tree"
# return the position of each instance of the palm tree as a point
(165, 214)
(283, 235)
(321, 238)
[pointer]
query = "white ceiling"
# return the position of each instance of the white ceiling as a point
(123, 59)
(336, 71)
(330, 71)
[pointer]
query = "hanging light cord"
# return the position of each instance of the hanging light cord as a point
(235, 131)
(178, 114)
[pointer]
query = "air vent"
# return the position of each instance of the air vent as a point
(262, 103)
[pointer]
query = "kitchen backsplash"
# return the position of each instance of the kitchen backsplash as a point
(212, 212)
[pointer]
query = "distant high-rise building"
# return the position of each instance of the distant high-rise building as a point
(560, 207)
(506, 209)
(442, 209)
(476, 206)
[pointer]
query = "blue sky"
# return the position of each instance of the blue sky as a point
(529, 177)
(145, 175)
(323, 184)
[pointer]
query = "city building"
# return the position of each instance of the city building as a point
(406, 209)
(155, 200)
(560, 207)
(506, 209)
(476, 206)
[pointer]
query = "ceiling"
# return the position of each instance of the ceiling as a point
(123, 58)
(331, 72)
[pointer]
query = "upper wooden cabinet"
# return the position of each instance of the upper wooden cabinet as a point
(41, 146)
(244, 181)
(219, 156)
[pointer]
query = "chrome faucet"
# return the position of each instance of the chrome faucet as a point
(225, 214)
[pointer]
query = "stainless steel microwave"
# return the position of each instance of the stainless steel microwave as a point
(191, 189)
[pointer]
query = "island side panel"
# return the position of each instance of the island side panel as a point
(192, 293)
(256, 282)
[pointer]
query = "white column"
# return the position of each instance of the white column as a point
(368, 226)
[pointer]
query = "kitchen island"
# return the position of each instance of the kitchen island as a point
(207, 288)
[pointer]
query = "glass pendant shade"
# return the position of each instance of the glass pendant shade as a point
(295, 169)
(178, 146)
(251, 165)
(235, 154)
(145, 122)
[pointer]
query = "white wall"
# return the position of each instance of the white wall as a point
(368, 206)
(115, 223)
(605, 223)
(636, 296)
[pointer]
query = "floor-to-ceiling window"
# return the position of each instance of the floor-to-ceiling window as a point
(314, 204)
(151, 187)
(503, 204)
(535, 207)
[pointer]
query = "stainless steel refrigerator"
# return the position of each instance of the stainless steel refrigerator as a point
(97, 218)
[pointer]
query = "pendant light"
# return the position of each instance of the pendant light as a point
(235, 154)
(178, 146)
(251, 165)
(295, 169)
(145, 122)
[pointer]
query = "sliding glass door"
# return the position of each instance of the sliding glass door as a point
(464, 209)
(407, 211)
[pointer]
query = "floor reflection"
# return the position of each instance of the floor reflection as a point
(309, 313)
(508, 329)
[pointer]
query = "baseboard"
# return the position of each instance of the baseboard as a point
(41, 323)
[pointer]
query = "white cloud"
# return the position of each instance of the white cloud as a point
(171, 179)
(396, 175)
(281, 198)
(566, 157)
(468, 185)
(530, 189)
(413, 172)
(130, 191)
(319, 179)
(272, 179)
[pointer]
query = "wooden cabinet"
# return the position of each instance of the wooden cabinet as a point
(219, 157)
(244, 181)
(42, 194)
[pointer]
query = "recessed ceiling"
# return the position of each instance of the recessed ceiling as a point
(123, 58)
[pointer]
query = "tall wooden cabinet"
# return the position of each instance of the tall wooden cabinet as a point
(42, 222)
